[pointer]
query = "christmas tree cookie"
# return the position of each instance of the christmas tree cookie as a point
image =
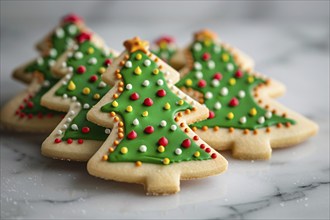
(242, 116)
(24, 111)
(150, 142)
(75, 138)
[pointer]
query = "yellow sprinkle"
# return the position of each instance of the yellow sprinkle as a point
(197, 154)
(115, 104)
(111, 149)
(105, 157)
(129, 108)
(167, 106)
(163, 45)
(207, 43)
(232, 81)
(188, 82)
(138, 56)
(102, 70)
(90, 50)
(155, 71)
(86, 91)
(250, 79)
(230, 115)
(124, 150)
(138, 70)
(166, 161)
(180, 102)
(253, 111)
(96, 96)
(138, 163)
(71, 86)
(161, 149)
(145, 113)
(225, 57)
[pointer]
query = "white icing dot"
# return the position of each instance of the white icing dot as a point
(224, 91)
(53, 52)
(68, 76)
(92, 61)
(178, 151)
(106, 52)
(242, 120)
(69, 119)
(208, 95)
(230, 67)
(86, 106)
(59, 32)
(63, 65)
(211, 64)
(128, 64)
(78, 104)
(72, 29)
(146, 83)
(59, 132)
(51, 62)
(64, 82)
(163, 123)
(147, 62)
(261, 120)
(217, 49)
(169, 81)
(136, 122)
(75, 47)
(199, 75)
(46, 83)
(160, 82)
(69, 54)
(102, 84)
(167, 73)
(40, 61)
(197, 47)
(78, 55)
(173, 127)
(65, 126)
(215, 82)
(129, 86)
(107, 131)
(164, 55)
(197, 66)
(70, 69)
(65, 96)
(74, 127)
(217, 105)
(143, 148)
(241, 94)
(72, 112)
(74, 98)
(268, 114)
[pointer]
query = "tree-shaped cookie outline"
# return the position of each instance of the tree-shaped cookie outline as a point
(75, 138)
(157, 178)
(256, 143)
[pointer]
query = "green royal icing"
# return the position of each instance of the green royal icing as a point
(81, 81)
(156, 113)
(217, 64)
(59, 41)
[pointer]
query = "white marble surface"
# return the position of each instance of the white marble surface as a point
(294, 184)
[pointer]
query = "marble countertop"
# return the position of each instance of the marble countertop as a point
(294, 184)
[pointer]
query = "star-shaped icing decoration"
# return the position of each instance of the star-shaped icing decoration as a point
(205, 35)
(136, 44)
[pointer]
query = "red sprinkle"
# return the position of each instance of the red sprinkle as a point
(72, 18)
(217, 76)
(238, 74)
(163, 141)
(167, 39)
(148, 102)
(186, 143)
(196, 138)
(208, 150)
(50, 115)
(30, 115)
(30, 104)
(81, 69)
(93, 78)
(214, 155)
(21, 107)
(233, 102)
(202, 146)
(40, 115)
(57, 140)
(211, 114)
(149, 129)
(201, 83)
(132, 135)
(134, 96)
(69, 141)
(85, 130)
(83, 37)
(108, 62)
(161, 93)
(80, 141)
(22, 115)
(206, 56)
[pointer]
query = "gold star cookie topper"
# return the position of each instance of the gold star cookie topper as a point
(205, 35)
(136, 44)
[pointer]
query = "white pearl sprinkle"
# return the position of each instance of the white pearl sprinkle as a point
(65, 126)
(211, 64)
(242, 120)
(63, 65)
(129, 86)
(208, 95)
(217, 105)
(69, 119)
(46, 83)
(70, 69)
(146, 83)
(65, 96)
(224, 91)
(68, 76)
(147, 62)
(86, 106)
(102, 84)
(59, 132)
(199, 75)
(143, 148)
(167, 73)
(163, 123)
(107, 131)
(173, 127)
(59, 32)
(92, 61)
(128, 64)
(160, 82)
(64, 82)
(241, 94)
(217, 49)
(268, 114)
(69, 54)
(197, 47)
(75, 47)
(72, 112)
(40, 61)
(72, 29)
(78, 104)
(74, 98)
(136, 122)
(215, 82)
(261, 120)
(169, 81)
(106, 52)
(197, 66)
(53, 52)
(74, 127)
(178, 151)
(230, 67)
(78, 55)
(51, 62)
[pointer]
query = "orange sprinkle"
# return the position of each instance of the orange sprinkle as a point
(120, 124)
(181, 124)
(121, 83)
(194, 128)
(120, 129)
(255, 132)
(160, 67)
(266, 106)
(231, 130)
(186, 130)
(204, 128)
(105, 157)
(111, 149)
(117, 71)
(138, 163)
(180, 114)
(193, 109)
(201, 100)
(246, 131)
(120, 89)
(267, 81)
(287, 124)
(216, 128)
(115, 142)
(284, 115)
(156, 59)
(116, 118)
(120, 135)
(112, 114)
(196, 138)
(115, 96)
(187, 111)
(259, 101)
(126, 57)
(274, 111)
(122, 63)
(268, 129)
(279, 125)
(256, 95)
(118, 76)
(177, 119)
